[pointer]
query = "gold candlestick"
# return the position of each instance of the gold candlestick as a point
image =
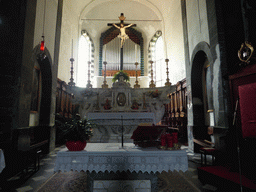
(89, 85)
(136, 81)
(168, 83)
(152, 84)
(105, 85)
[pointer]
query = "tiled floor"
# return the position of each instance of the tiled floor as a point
(47, 165)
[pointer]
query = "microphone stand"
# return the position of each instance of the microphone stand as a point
(122, 132)
(238, 148)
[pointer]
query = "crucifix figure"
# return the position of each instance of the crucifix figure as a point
(122, 35)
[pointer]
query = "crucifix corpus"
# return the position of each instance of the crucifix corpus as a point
(122, 35)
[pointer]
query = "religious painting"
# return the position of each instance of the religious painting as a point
(121, 99)
(35, 90)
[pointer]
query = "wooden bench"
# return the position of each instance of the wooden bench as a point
(198, 144)
(208, 151)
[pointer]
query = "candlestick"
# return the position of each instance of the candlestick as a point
(89, 85)
(105, 85)
(72, 83)
(152, 84)
(136, 81)
(168, 83)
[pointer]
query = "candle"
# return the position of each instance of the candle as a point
(135, 52)
(89, 55)
(72, 49)
(166, 50)
(105, 52)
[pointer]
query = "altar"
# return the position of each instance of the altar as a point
(120, 107)
(113, 124)
(112, 157)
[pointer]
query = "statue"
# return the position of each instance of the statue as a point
(107, 105)
(135, 105)
(122, 35)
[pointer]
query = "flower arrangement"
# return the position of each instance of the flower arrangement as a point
(74, 129)
(119, 74)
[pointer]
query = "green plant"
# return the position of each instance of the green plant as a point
(121, 73)
(74, 129)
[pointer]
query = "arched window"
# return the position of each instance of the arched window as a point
(160, 72)
(84, 69)
(156, 54)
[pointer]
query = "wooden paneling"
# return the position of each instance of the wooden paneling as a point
(176, 111)
(64, 104)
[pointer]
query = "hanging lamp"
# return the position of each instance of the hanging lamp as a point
(42, 47)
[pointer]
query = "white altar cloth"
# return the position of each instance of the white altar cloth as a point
(112, 157)
(124, 115)
(2, 161)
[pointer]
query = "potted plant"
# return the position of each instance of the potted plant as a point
(75, 132)
(119, 74)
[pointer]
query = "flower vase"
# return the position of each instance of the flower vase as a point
(76, 145)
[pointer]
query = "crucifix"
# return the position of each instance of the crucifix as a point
(122, 35)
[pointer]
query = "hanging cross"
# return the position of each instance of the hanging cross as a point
(122, 35)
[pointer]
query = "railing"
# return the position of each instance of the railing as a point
(126, 66)
(132, 73)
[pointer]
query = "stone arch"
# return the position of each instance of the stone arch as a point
(45, 62)
(151, 48)
(86, 34)
(201, 88)
(89, 6)
(103, 41)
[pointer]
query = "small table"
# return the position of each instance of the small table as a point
(2, 161)
(208, 151)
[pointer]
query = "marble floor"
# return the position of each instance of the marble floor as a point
(47, 170)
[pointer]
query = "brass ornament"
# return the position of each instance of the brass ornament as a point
(245, 52)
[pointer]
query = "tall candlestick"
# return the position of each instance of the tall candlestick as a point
(168, 83)
(152, 84)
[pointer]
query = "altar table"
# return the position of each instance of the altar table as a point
(2, 161)
(112, 157)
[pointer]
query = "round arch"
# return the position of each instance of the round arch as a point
(88, 7)
(45, 62)
(104, 41)
(201, 88)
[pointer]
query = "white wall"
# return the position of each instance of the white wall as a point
(49, 26)
(49, 32)
(197, 23)
(69, 31)
(165, 13)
